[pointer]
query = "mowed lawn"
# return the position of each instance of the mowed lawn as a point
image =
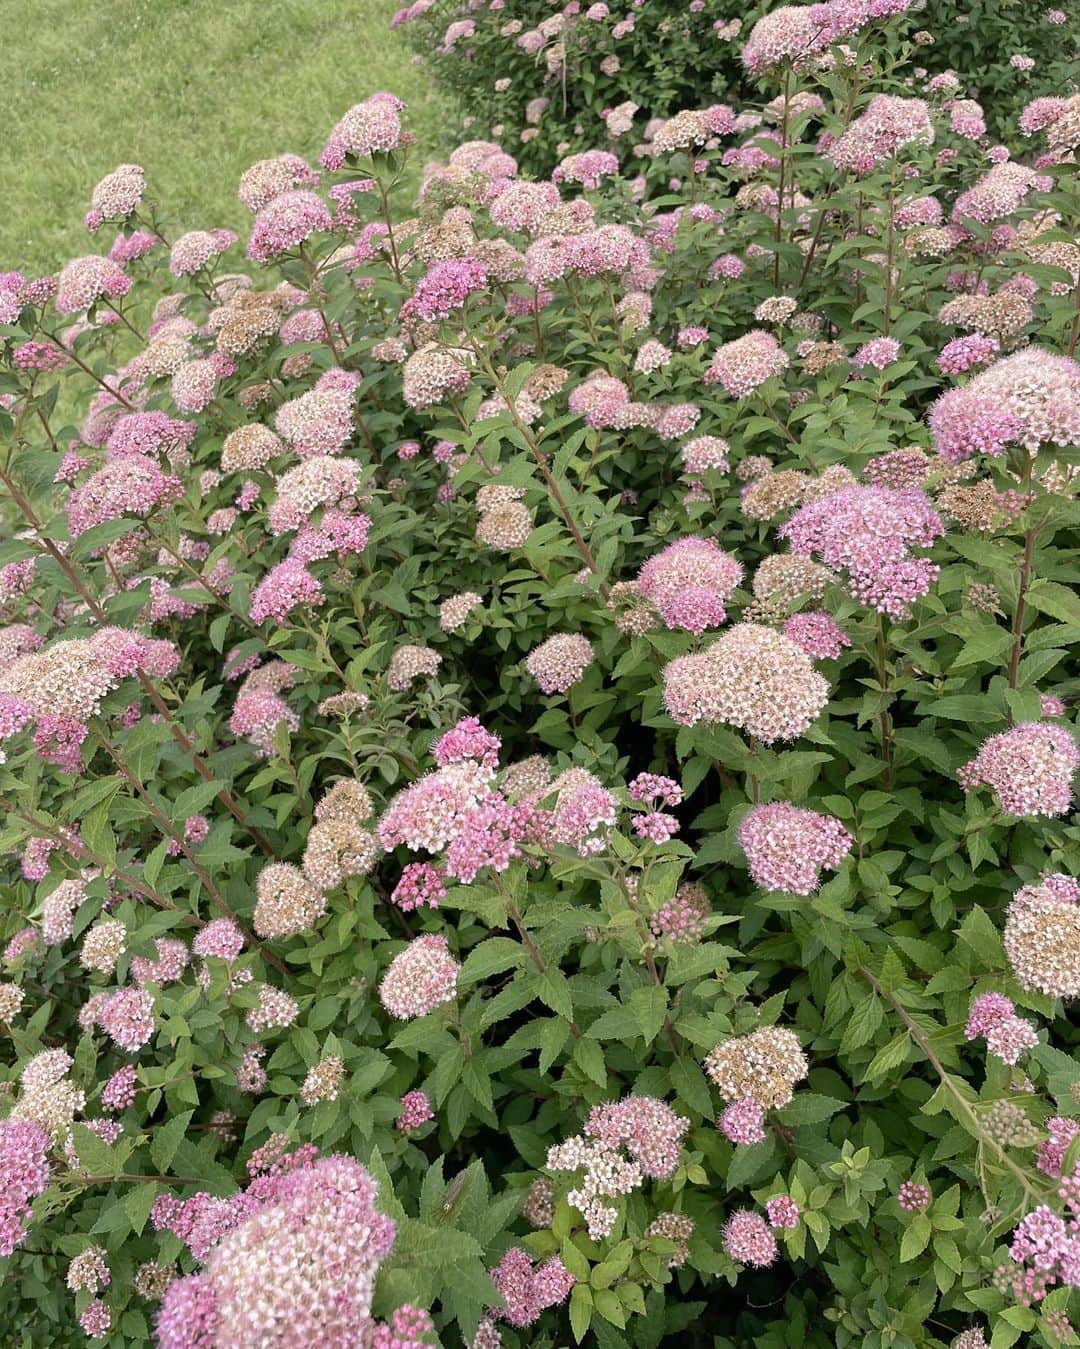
(193, 90)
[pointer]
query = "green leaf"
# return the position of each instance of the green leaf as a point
(95, 1156)
(138, 1202)
(581, 1309)
(892, 1056)
(589, 1057)
(553, 990)
(97, 832)
(167, 1138)
(649, 1006)
(491, 957)
(915, 1238)
(979, 934)
(808, 1108)
(862, 1023)
(690, 1086)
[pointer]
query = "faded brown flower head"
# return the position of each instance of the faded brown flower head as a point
(287, 902)
(762, 1066)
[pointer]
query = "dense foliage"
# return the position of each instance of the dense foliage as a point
(548, 80)
(539, 739)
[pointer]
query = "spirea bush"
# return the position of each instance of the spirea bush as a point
(539, 740)
(552, 81)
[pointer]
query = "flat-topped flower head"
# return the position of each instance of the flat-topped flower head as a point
(787, 847)
(287, 902)
(870, 532)
(887, 125)
(290, 1261)
(743, 365)
(748, 1239)
(1042, 936)
(689, 582)
(368, 128)
(1031, 398)
(762, 1066)
(560, 662)
(752, 678)
(84, 281)
(285, 222)
(419, 979)
(269, 178)
(1030, 767)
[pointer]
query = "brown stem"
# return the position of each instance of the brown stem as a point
(552, 486)
(779, 232)
(204, 584)
(75, 844)
(127, 324)
(947, 1082)
(176, 730)
(884, 719)
(47, 429)
(169, 831)
(71, 355)
(531, 947)
(312, 272)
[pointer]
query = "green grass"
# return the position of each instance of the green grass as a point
(193, 90)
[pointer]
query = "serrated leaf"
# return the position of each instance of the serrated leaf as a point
(491, 957)
(806, 1107)
(167, 1138)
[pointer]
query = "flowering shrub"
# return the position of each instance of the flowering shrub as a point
(554, 82)
(540, 743)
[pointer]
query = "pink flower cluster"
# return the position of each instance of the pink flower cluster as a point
(818, 633)
(743, 1121)
(291, 1260)
(528, 1289)
(420, 885)
(127, 486)
(1030, 767)
(748, 1240)
(420, 978)
(786, 846)
(689, 582)
(415, 1111)
(801, 34)
(887, 124)
(446, 286)
(869, 532)
(369, 128)
(1051, 1153)
(650, 1131)
(993, 1016)
(1030, 398)
(743, 365)
(24, 1174)
(286, 222)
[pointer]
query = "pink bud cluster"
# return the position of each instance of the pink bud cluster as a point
(689, 582)
(993, 1016)
(24, 1174)
(787, 847)
(869, 533)
(1030, 767)
(528, 1289)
